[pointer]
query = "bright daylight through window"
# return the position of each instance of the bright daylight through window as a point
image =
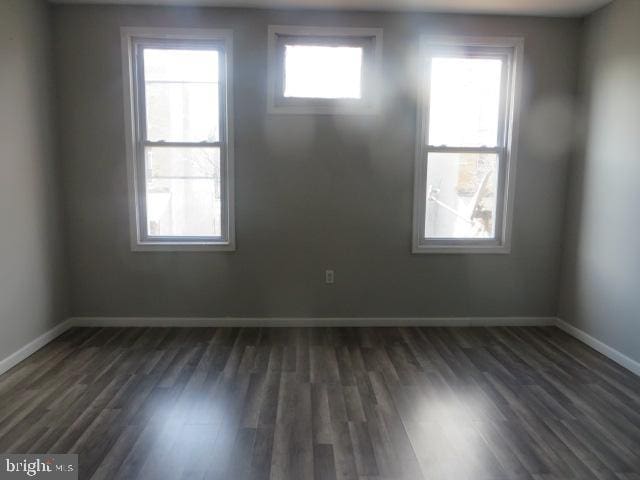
(181, 154)
(323, 70)
(462, 187)
(464, 156)
(313, 71)
(182, 183)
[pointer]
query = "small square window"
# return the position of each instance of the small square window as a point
(323, 70)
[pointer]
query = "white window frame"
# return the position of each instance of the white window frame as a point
(506, 149)
(371, 68)
(131, 37)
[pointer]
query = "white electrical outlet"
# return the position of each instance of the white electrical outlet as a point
(328, 276)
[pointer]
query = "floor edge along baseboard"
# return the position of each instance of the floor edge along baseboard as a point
(598, 345)
(311, 321)
(39, 342)
(34, 345)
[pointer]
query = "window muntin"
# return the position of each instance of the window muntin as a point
(464, 157)
(323, 70)
(181, 162)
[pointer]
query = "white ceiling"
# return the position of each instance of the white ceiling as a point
(549, 8)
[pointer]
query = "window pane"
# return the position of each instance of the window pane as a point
(464, 101)
(183, 191)
(461, 195)
(313, 71)
(181, 89)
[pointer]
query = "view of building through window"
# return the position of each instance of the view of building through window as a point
(462, 186)
(183, 191)
(182, 159)
(461, 195)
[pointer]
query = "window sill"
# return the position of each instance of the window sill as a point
(461, 249)
(331, 109)
(183, 247)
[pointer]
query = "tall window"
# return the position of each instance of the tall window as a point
(180, 147)
(465, 160)
(323, 70)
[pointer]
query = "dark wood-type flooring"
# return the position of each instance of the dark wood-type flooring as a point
(325, 403)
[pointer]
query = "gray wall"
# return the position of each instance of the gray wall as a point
(312, 192)
(32, 294)
(601, 274)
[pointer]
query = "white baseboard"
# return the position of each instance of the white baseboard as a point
(33, 346)
(310, 321)
(603, 348)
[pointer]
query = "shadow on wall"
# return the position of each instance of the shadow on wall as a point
(601, 269)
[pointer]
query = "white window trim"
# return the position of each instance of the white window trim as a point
(334, 106)
(228, 242)
(471, 246)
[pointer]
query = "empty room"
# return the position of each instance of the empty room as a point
(320, 239)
